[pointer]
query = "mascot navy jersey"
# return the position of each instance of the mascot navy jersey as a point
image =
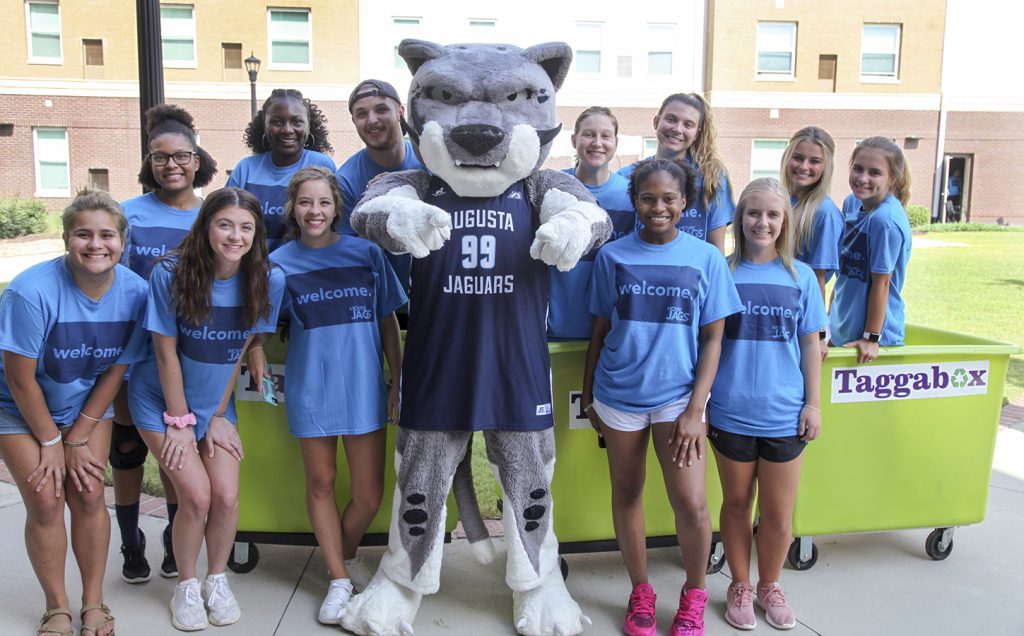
(483, 286)
(822, 252)
(657, 298)
(697, 220)
(876, 242)
(73, 338)
(569, 316)
(207, 351)
(759, 388)
(269, 184)
(153, 228)
(336, 296)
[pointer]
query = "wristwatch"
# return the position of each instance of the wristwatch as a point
(871, 336)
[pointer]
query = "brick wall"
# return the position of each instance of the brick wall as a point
(996, 141)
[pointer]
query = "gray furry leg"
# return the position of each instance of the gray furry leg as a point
(523, 463)
(426, 462)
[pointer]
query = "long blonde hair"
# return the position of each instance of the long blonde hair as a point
(783, 244)
(704, 149)
(807, 204)
(900, 186)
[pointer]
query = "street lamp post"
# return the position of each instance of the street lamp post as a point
(252, 66)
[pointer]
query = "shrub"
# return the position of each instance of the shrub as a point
(973, 227)
(19, 217)
(919, 215)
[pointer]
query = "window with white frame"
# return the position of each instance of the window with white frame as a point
(51, 152)
(776, 49)
(290, 39)
(880, 51)
(404, 28)
(588, 47)
(766, 157)
(660, 39)
(482, 30)
(43, 22)
(650, 147)
(178, 35)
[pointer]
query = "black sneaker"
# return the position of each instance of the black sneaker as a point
(169, 567)
(136, 568)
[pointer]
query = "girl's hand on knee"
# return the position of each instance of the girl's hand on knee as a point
(83, 467)
(222, 433)
(51, 466)
(687, 439)
(810, 423)
(178, 444)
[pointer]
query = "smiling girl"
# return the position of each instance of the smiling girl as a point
(685, 130)
(765, 404)
(205, 300)
(659, 299)
(287, 134)
(338, 339)
(69, 328)
(868, 310)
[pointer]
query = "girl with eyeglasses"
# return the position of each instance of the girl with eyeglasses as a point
(157, 222)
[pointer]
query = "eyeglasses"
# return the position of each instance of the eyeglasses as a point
(181, 158)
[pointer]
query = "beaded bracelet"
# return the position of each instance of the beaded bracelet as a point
(70, 444)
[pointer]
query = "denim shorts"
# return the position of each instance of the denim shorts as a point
(14, 424)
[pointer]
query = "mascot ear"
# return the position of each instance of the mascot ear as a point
(554, 58)
(417, 52)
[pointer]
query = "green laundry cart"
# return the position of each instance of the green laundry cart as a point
(272, 483)
(907, 441)
(581, 487)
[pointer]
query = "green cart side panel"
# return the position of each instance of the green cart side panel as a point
(272, 494)
(886, 464)
(581, 486)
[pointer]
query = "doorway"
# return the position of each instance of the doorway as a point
(957, 176)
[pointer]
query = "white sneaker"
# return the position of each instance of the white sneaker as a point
(220, 602)
(187, 611)
(338, 596)
(359, 573)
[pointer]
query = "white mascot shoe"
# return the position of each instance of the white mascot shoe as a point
(548, 610)
(384, 608)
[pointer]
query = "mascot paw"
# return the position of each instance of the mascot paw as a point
(418, 226)
(563, 240)
(548, 610)
(384, 608)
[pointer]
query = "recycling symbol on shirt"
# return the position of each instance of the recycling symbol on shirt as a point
(959, 378)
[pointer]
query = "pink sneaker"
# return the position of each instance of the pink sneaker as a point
(739, 606)
(640, 620)
(777, 611)
(689, 619)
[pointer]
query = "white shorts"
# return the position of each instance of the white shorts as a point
(632, 422)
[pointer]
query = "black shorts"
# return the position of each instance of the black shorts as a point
(745, 448)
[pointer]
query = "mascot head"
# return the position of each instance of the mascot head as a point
(482, 116)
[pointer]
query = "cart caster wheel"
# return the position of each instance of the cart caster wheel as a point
(933, 545)
(242, 567)
(793, 556)
(716, 560)
(563, 565)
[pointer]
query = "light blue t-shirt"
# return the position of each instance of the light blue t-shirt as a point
(73, 338)
(568, 309)
(353, 175)
(759, 388)
(207, 352)
(657, 298)
(336, 296)
(269, 183)
(698, 219)
(153, 228)
(877, 242)
(822, 252)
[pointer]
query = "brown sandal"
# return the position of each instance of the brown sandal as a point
(106, 619)
(47, 631)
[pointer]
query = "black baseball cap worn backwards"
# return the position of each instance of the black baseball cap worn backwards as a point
(372, 88)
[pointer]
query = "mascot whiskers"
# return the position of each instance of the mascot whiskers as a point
(483, 227)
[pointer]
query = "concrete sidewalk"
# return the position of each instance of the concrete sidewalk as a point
(881, 583)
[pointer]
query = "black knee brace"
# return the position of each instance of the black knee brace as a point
(126, 437)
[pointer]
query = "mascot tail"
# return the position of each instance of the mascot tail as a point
(469, 509)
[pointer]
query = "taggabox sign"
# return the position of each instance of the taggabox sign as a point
(909, 381)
